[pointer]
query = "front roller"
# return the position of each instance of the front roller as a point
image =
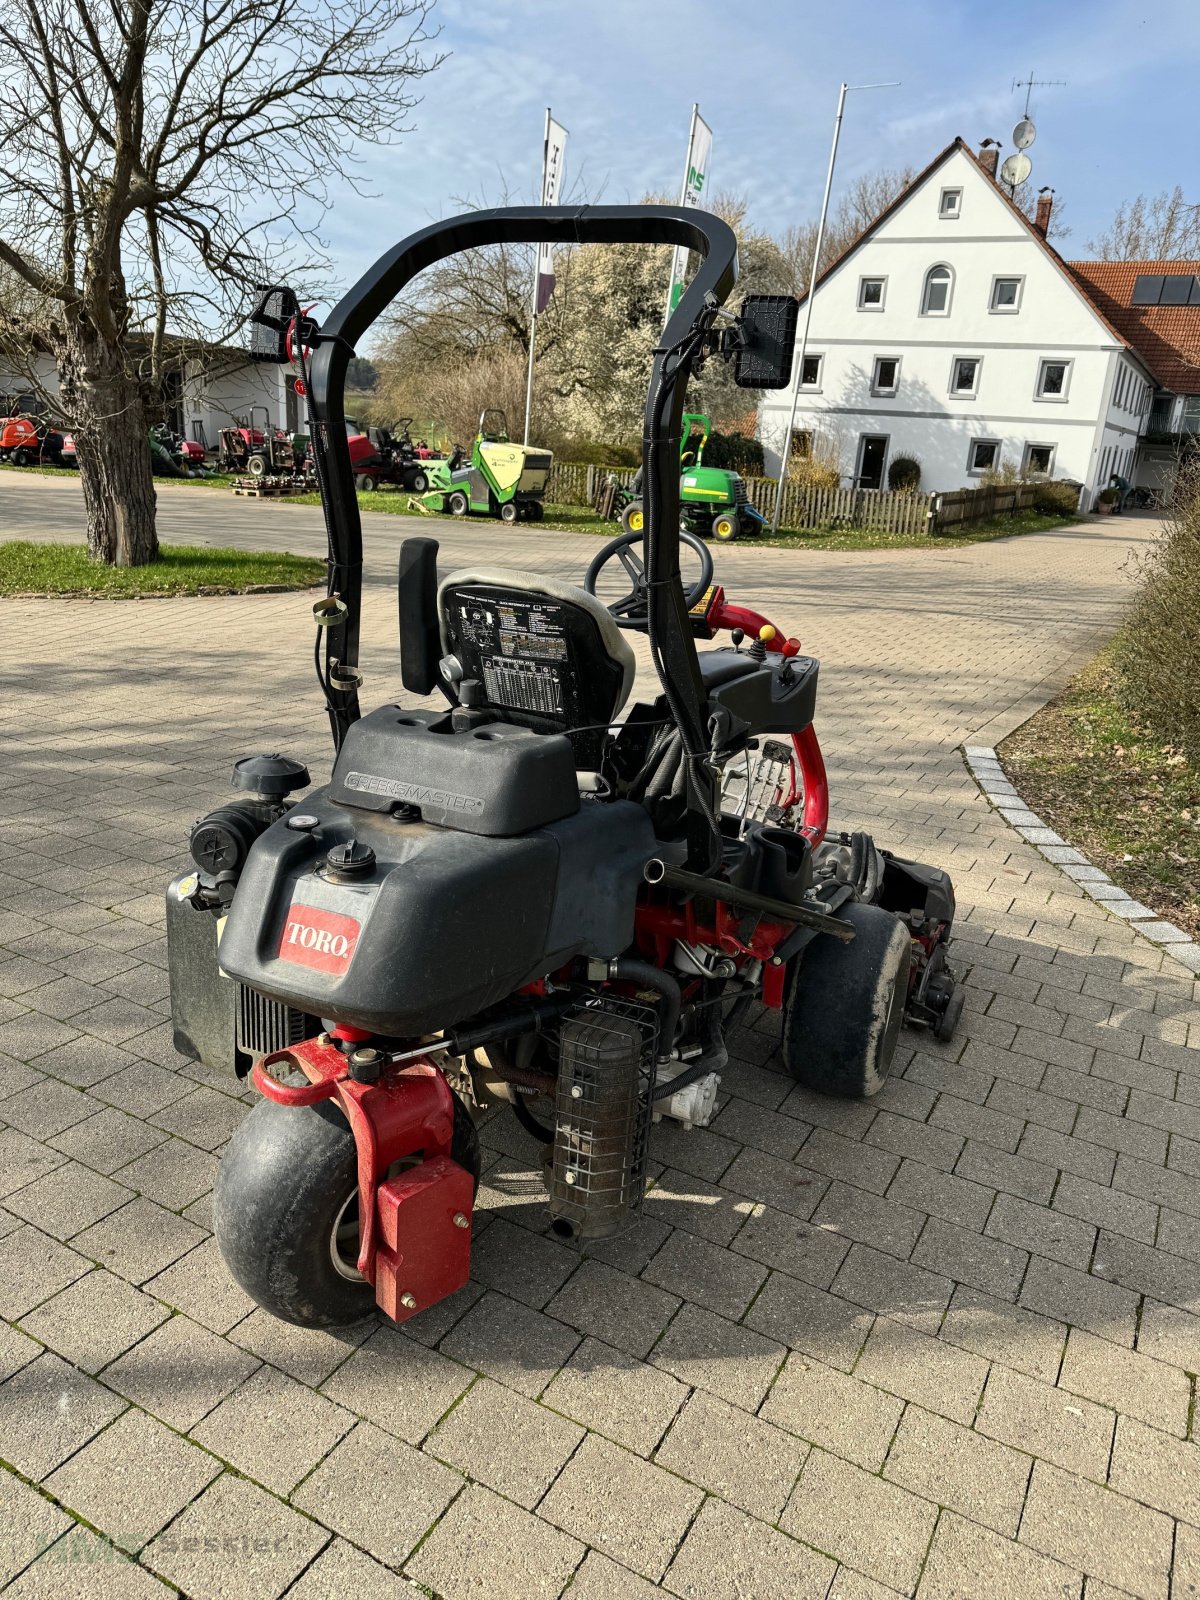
(297, 1178)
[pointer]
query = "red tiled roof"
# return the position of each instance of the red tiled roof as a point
(1166, 337)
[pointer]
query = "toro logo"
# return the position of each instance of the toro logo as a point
(322, 940)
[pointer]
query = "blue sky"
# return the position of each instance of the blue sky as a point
(622, 76)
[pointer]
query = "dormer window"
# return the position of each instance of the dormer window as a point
(935, 296)
(950, 204)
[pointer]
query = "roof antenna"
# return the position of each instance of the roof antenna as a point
(1017, 167)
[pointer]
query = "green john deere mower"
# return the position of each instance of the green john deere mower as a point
(712, 501)
(498, 479)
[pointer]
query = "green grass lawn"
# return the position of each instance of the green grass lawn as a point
(218, 480)
(67, 569)
(1131, 804)
(581, 519)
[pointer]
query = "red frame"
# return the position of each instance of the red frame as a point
(408, 1109)
(809, 779)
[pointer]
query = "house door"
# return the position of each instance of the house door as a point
(872, 457)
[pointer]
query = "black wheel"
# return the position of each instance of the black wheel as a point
(508, 511)
(946, 1024)
(285, 1210)
(632, 518)
(844, 1006)
(365, 483)
(536, 510)
(726, 526)
(420, 482)
(457, 504)
(20, 458)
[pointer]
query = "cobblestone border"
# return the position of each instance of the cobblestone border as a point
(984, 766)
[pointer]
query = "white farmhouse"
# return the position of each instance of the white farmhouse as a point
(952, 331)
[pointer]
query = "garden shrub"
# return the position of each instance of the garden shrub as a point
(1056, 498)
(904, 472)
(735, 453)
(1158, 655)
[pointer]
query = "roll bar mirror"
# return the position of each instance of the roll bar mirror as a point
(768, 341)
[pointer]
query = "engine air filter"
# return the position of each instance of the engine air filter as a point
(602, 1117)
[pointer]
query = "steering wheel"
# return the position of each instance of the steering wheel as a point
(630, 611)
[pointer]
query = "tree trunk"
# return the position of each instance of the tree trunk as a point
(109, 424)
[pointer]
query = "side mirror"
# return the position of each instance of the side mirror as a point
(768, 328)
(269, 323)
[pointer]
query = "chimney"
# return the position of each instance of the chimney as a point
(989, 154)
(1045, 204)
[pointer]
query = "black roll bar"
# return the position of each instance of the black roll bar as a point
(671, 640)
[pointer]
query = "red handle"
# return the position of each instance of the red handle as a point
(289, 1094)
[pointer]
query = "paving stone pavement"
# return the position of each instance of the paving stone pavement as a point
(940, 1344)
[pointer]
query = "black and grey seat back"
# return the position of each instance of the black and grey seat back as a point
(535, 652)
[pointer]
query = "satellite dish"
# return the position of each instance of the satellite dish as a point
(1024, 134)
(1015, 170)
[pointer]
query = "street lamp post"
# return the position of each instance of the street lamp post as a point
(798, 370)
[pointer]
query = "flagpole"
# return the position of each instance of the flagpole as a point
(813, 274)
(683, 194)
(533, 304)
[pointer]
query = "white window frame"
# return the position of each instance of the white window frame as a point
(815, 386)
(1006, 277)
(1054, 361)
(977, 472)
(938, 266)
(1033, 444)
(872, 277)
(965, 394)
(876, 388)
(950, 216)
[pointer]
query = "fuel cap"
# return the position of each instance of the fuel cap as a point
(351, 859)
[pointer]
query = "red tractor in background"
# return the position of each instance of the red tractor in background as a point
(256, 450)
(30, 442)
(379, 456)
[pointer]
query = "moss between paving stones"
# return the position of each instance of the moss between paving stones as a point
(1131, 804)
(53, 570)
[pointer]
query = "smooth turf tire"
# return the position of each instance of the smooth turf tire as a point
(420, 482)
(633, 518)
(844, 1005)
(256, 466)
(509, 511)
(726, 527)
(457, 504)
(21, 458)
(284, 1181)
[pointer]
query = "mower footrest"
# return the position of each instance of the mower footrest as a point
(424, 1253)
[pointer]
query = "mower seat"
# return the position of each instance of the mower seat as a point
(535, 652)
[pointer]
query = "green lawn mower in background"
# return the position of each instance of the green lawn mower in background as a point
(712, 500)
(499, 479)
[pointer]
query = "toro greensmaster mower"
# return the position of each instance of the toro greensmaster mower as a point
(712, 500)
(532, 881)
(499, 479)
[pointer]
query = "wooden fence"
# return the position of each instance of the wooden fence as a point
(876, 510)
(958, 507)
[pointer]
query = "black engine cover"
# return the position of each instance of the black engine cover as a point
(445, 923)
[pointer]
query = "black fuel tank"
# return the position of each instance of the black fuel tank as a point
(443, 924)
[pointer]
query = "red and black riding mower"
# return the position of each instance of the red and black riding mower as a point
(514, 896)
(380, 456)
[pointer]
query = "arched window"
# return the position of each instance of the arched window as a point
(935, 297)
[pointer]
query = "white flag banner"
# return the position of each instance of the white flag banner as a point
(552, 169)
(695, 185)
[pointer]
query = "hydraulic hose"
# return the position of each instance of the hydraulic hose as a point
(633, 971)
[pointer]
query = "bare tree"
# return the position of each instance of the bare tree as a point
(868, 195)
(1157, 227)
(156, 155)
